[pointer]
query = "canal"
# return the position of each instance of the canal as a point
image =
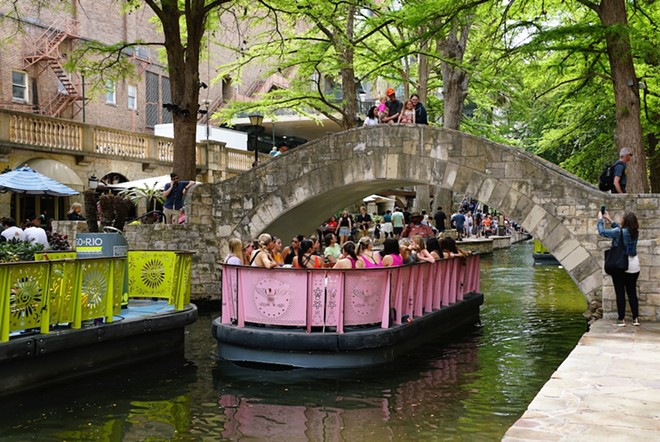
(470, 387)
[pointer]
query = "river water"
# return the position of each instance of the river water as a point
(472, 386)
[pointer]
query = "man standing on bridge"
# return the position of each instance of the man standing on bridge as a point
(174, 192)
(620, 167)
(394, 107)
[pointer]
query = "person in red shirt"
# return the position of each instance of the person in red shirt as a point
(416, 228)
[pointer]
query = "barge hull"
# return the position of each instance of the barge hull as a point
(354, 348)
(35, 361)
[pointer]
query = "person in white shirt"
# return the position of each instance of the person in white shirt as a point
(35, 234)
(372, 118)
(12, 232)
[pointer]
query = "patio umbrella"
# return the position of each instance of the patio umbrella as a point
(28, 181)
(153, 182)
(377, 199)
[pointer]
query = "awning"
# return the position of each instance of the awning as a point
(377, 199)
(27, 181)
(58, 171)
(151, 183)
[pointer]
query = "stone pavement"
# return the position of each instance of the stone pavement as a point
(607, 389)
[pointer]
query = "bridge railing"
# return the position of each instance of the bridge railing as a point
(49, 292)
(75, 138)
(317, 298)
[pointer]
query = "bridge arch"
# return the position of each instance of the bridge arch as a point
(297, 191)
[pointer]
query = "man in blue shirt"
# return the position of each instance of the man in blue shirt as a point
(174, 192)
(459, 222)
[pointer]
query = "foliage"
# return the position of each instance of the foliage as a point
(114, 210)
(91, 210)
(149, 195)
(14, 251)
(57, 241)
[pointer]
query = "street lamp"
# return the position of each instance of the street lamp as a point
(93, 182)
(255, 122)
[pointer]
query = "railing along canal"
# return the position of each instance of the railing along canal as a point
(57, 290)
(322, 298)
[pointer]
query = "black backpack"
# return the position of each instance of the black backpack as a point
(606, 178)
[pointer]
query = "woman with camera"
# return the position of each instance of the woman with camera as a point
(624, 280)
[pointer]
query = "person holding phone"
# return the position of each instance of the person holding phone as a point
(174, 191)
(625, 280)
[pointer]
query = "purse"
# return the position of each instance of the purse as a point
(616, 258)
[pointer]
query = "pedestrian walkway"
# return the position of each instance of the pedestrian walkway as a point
(607, 389)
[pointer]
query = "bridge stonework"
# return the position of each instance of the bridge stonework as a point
(296, 192)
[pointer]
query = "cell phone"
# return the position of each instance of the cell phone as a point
(602, 210)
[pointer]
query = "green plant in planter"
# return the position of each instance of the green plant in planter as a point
(58, 242)
(91, 212)
(14, 251)
(147, 194)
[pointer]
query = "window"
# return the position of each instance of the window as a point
(152, 99)
(110, 92)
(132, 97)
(166, 95)
(19, 89)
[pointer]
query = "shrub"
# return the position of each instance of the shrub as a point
(14, 251)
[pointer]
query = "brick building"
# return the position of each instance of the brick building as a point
(70, 126)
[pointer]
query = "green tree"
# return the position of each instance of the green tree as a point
(315, 45)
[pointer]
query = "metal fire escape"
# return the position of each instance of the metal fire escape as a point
(45, 54)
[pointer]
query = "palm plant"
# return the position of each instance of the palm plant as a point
(149, 194)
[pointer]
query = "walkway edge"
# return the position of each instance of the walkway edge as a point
(608, 388)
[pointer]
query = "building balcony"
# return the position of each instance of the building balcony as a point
(89, 143)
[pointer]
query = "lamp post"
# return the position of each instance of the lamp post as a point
(93, 182)
(255, 122)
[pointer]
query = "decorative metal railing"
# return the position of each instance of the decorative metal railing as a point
(318, 298)
(56, 290)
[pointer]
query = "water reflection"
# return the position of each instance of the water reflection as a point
(473, 386)
(343, 405)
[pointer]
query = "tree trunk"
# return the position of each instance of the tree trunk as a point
(628, 132)
(348, 89)
(423, 74)
(654, 162)
(183, 66)
(454, 78)
(347, 71)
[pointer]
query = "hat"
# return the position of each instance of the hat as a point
(625, 151)
(389, 92)
(416, 215)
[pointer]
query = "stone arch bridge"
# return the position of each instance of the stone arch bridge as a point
(299, 190)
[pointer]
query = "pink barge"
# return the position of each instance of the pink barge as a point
(326, 318)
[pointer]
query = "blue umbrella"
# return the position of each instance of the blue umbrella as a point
(29, 181)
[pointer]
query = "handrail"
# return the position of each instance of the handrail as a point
(68, 292)
(315, 299)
